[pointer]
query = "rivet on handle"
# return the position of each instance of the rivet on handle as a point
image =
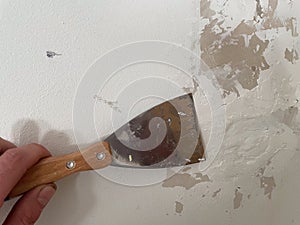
(71, 165)
(101, 155)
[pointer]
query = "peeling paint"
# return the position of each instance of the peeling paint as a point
(238, 197)
(245, 61)
(185, 180)
(237, 54)
(178, 207)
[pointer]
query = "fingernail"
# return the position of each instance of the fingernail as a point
(46, 194)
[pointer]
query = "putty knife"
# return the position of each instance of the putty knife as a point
(172, 124)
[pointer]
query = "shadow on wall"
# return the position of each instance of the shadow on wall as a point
(66, 204)
(29, 131)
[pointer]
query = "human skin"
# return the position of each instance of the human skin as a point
(14, 162)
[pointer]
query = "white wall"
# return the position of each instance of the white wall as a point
(37, 96)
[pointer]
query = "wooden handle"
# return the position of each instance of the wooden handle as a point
(51, 169)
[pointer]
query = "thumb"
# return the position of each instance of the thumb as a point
(29, 208)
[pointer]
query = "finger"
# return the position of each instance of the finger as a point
(15, 162)
(4, 145)
(29, 208)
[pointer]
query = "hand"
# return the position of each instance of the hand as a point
(14, 162)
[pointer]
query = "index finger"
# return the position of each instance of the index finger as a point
(4, 145)
(15, 162)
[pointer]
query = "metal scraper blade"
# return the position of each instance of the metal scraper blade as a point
(166, 135)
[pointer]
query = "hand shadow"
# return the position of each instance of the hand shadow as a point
(66, 204)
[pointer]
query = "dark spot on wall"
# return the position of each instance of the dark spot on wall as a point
(51, 54)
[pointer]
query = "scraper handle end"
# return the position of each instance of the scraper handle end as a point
(52, 169)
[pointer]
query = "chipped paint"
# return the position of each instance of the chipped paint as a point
(216, 193)
(205, 10)
(178, 207)
(259, 9)
(194, 87)
(185, 180)
(204, 178)
(291, 55)
(268, 184)
(238, 197)
(111, 104)
(236, 53)
(291, 24)
(244, 60)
